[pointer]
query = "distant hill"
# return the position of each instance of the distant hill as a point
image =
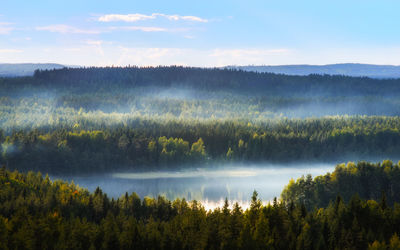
(349, 69)
(25, 69)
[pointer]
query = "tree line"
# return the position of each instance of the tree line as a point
(149, 144)
(367, 180)
(214, 79)
(39, 213)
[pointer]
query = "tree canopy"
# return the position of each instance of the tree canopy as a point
(39, 213)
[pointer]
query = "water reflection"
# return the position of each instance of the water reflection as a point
(209, 185)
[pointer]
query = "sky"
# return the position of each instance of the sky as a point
(199, 33)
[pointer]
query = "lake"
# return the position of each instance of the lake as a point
(209, 185)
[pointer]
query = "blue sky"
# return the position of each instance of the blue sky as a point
(199, 33)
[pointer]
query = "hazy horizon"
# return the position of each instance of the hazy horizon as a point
(228, 65)
(101, 33)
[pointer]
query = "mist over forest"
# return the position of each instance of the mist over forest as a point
(217, 125)
(141, 151)
(84, 120)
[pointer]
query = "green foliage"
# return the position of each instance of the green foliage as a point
(229, 154)
(37, 213)
(198, 150)
(99, 119)
(370, 181)
(144, 144)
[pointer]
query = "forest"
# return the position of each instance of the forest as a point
(147, 144)
(215, 125)
(367, 180)
(38, 213)
(82, 120)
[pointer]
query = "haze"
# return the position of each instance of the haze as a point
(122, 32)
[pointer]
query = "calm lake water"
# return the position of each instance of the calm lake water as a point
(208, 185)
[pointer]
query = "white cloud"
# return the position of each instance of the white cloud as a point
(5, 28)
(187, 18)
(66, 29)
(141, 17)
(125, 18)
(10, 51)
(21, 39)
(140, 28)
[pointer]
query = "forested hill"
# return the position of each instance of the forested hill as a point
(25, 69)
(217, 79)
(349, 69)
(75, 120)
